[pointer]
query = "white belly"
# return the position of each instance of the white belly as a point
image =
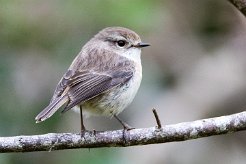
(114, 101)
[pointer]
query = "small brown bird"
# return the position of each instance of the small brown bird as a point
(103, 79)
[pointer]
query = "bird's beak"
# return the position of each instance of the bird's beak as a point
(141, 44)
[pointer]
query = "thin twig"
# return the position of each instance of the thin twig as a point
(157, 119)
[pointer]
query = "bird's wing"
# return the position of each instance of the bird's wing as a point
(81, 87)
(87, 85)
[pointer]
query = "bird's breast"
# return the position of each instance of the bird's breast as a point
(115, 100)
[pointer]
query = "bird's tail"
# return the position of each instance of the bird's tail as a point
(51, 108)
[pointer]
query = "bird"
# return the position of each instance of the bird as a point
(103, 79)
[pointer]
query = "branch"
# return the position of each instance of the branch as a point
(169, 133)
(240, 5)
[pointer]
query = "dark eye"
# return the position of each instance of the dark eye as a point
(121, 43)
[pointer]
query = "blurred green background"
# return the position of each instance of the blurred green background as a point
(195, 68)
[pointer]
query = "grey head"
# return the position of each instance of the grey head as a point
(120, 40)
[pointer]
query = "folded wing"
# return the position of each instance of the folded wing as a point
(82, 86)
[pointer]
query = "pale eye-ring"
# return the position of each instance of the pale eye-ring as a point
(121, 43)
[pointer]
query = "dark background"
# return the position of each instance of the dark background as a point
(195, 68)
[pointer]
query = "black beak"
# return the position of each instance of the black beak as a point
(141, 44)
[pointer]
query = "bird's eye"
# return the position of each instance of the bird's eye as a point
(121, 43)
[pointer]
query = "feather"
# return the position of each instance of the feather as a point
(51, 109)
(97, 85)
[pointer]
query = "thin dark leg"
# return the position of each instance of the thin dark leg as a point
(124, 124)
(81, 121)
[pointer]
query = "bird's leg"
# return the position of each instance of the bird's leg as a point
(124, 124)
(126, 128)
(82, 122)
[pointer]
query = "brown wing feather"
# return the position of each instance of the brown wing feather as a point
(94, 86)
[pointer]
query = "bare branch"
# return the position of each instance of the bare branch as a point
(240, 5)
(169, 133)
